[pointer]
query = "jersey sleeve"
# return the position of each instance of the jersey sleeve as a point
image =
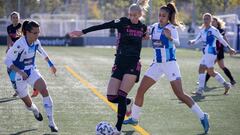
(220, 38)
(198, 38)
(41, 51)
(13, 54)
(111, 24)
(175, 36)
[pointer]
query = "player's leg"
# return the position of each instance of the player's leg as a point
(22, 90)
(11, 75)
(219, 79)
(151, 76)
(226, 71)
(36, 80)
(145, 84)
(127, 83)
(114, 84)
(174, 76)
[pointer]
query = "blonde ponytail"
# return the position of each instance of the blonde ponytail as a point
(144, 4)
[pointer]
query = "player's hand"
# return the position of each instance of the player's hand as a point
(146, 37)
(167, 33)
(75, 34)
(23, 74)
(232, 51)
(191, 42)
(53, 70)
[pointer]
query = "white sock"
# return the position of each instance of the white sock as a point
(135, 112)
(219, 78)
(48, 106)
(198, 111)
(201, 80)
(34, 109)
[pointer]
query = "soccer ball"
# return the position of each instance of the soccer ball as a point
(104, 128)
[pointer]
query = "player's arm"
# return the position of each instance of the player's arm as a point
(146, 33)
(224, 42)
(196, 40)
(44, 55)
(12, 54)
(172, 35)
(9, 40)
(112, 24)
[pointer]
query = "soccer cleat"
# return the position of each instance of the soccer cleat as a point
(38, 116)
(116, 132)
(205, 123)
(199, 92)
(53, 128)
(227, 86)
(130, 121)
(129, 107)
(35, 93)
(233, 82)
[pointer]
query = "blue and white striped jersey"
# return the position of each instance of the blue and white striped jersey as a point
(22, 55)
(209, 37)
(164, 49)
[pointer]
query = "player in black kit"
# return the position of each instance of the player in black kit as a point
(126, 69)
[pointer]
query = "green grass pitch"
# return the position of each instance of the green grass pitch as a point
(77, 110)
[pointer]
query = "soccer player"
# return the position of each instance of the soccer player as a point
(20, 58)
(14, 33)
(126, 68)
(164, 37)
(219, 24)
(209, 35)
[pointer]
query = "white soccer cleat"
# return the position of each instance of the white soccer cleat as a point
(116, 132)
(227, 86)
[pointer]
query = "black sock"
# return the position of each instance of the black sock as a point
(115, 99)
(112, 98)
(228, 74)
(122, 108)
(207, 78)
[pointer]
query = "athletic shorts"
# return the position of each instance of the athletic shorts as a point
(208, 60)
(22, 85)
(126, 65)
(169, 69)
(220, 54)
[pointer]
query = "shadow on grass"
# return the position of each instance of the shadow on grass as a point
(208, 89)
(3, 100)
(24, 132)
(128, 132)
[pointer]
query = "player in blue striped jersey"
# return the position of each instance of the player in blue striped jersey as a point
(209, 36)
(20, 59)
(164, 39)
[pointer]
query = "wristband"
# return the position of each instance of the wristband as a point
(50, 64)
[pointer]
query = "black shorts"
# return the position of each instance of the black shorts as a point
(126, 65)
(220, 54)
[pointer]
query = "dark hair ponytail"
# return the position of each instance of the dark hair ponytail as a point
(171, 9)
(28, 26)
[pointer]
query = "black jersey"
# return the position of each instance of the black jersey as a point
(219, 46)
(129, 35)
(14, 31)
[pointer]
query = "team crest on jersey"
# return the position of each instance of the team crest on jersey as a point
(209, 33)
(116, 20)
